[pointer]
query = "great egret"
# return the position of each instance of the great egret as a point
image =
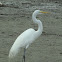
(27, 37)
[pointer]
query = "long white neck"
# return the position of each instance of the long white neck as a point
(40, 26)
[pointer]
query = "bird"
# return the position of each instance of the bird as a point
(27, 37)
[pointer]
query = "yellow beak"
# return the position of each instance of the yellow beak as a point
(44, 12)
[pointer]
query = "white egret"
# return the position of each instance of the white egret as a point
(27, 37)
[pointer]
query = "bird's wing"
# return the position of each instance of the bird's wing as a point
(22, 40)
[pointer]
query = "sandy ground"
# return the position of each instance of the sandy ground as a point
(14, 19)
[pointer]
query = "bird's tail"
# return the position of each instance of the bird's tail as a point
(13, 52)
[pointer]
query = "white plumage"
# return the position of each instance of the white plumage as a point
(27, 37)
(22, 40)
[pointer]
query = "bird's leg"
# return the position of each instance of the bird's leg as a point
(23, 59)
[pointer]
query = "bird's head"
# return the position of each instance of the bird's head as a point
(39, 12)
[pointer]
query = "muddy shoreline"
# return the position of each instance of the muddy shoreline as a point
(16, 18)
